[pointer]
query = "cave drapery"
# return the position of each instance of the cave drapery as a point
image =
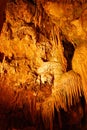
(43, 62)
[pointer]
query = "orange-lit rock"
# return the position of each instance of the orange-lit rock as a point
(36, 81)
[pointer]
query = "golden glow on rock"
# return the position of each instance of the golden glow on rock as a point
(33, 66)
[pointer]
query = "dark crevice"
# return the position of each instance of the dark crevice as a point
(1, 56)
(2, 13)
(9, 60)
(83, 104)
(68, 53)
(57, 122)
(32, 1)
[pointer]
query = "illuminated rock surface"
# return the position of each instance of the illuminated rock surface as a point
(42, 79)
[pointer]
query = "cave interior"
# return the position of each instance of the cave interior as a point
(43, 61)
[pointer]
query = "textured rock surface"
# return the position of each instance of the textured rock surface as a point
(23, 52)
(34, 58)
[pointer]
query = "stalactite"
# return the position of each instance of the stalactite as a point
(79, 64)
(68, 87)
(19, 40)
(58, 50)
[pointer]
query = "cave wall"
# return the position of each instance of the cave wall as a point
(37, 44)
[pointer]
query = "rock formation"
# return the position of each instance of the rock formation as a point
(42, 64)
